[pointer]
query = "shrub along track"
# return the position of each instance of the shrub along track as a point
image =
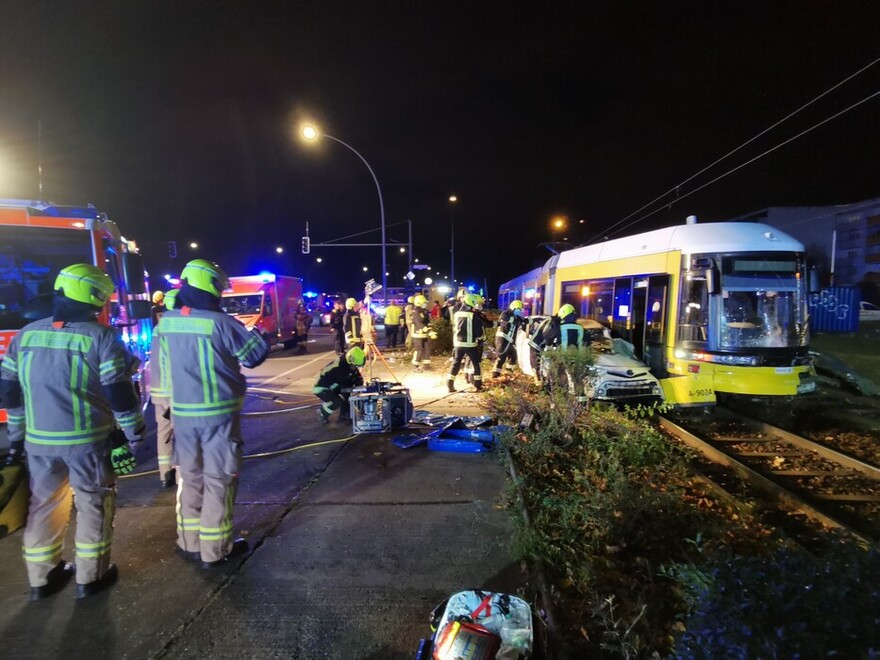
(803, 476)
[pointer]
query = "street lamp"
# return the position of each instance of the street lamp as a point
(194, 245)
(311, 133)
(453, 199)
(279, 249)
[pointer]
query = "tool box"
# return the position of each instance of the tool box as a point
(379, 407)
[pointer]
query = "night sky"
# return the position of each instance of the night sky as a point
(179, 120)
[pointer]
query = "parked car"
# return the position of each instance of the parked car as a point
(868, 312)
(618, 376)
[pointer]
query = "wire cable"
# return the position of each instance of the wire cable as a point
(675, 188)
(265, 454)
(752, 160)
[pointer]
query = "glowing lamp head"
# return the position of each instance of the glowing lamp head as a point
(309, 132)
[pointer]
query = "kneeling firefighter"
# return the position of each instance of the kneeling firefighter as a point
(467, 335)
(67, 385)
(335, 382)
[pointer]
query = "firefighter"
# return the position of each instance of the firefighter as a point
(467, 335)
(158, 307)
(337, 327)
(505, 339)
(392, 324)
(205, 350)
(563, 330)
(66, 383)
(335, 382)
(351, 321)
(421, 332)
(159, 395)
(407, 322)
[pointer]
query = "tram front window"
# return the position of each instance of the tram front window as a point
(762, 302)
(759, 319)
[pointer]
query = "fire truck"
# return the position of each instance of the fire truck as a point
(38, 239)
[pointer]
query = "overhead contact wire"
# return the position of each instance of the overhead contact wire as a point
(730, 153)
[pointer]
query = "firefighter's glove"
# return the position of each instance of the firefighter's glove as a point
(334, 387)
(15, 455)
(432, 335)
(122, 460)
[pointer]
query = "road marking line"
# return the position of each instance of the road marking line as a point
(290, 371)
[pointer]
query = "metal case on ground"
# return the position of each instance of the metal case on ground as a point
(379, 407)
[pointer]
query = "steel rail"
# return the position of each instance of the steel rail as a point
(768, 486)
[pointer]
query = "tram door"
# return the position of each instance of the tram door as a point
(639, 304)
(656, 325)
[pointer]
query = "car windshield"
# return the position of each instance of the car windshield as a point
(245, 304)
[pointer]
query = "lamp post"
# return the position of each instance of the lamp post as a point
(453, 199)
(311, 134)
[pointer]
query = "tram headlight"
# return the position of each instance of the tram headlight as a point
(730, 360)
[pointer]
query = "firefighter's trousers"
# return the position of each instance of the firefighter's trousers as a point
(332, 401)
(164, 436)
(339, 341)
(458, 355)
(92, 480)
(208, 463)
(506, 352)
(421, 354)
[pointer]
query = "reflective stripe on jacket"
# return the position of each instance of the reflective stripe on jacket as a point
(571, 334)
(468, 327)
(62, 370)
(205, 351)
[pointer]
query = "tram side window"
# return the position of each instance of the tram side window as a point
(622, 306)
(656, 309)
(571, 295)
(693, 311)
(598, 301)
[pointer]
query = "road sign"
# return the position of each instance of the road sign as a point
(410, 276)
(421, 267)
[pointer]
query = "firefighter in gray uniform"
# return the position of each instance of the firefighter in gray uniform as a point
(66, 382)
(467, 333)
(205, 350)
(160, 393)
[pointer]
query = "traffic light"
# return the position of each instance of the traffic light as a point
(306, 245)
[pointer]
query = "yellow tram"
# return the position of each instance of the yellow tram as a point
(714, 309)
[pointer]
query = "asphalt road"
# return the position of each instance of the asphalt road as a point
(353, 541)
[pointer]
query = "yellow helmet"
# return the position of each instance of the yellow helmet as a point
(410, 300)
(515, 305)
(565, 310)
(350, 303)
(84, 283)
(206, 276)
(158, 297)
(356, 356)
(171, 298)
(420, 300)
(471, 299)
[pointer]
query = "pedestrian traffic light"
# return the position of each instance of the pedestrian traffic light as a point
(306, 246)
(172, 249)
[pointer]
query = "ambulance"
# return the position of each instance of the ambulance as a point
(270, 304)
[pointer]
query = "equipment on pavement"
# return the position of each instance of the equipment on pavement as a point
(479, 624)
(13, 498)
(379, 407)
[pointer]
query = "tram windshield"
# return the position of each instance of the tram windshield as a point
(762, 302)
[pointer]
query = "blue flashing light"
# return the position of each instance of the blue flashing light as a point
(267, 276)
(471, 288)
(310, 294)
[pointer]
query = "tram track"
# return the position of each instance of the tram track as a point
(831, 488)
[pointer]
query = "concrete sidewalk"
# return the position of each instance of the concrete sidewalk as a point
(353, 544)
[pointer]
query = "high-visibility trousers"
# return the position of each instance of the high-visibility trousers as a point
(53, 480)
(475, 354)
(164, 436)
(208, 460)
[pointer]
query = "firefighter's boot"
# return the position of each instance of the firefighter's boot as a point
(55, 581)
(450, 385)
(97, 586)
